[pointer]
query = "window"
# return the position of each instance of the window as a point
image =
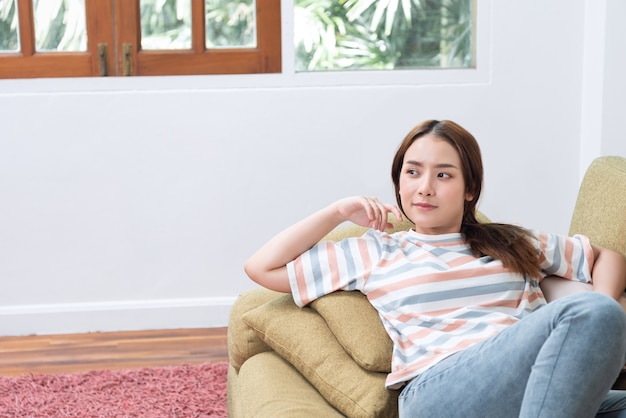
(383, 35)
(74, 38)
(77, 38)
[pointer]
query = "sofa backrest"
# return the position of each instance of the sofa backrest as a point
(600, 211)
(351, 230)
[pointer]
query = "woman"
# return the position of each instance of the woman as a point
(473, 335)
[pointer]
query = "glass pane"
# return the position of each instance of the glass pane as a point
(165, 24)
(60, 25)
(230, 24)
(9, 40)
(383, 34)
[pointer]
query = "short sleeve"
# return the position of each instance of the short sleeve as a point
(568, 257)
(331, 266)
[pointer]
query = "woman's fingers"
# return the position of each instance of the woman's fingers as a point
(368, 211)
(380, 214)
(396, 211)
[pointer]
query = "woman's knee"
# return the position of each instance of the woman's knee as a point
(607, 308)
(598, 310)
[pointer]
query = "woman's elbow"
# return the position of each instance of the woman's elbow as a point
(252, 270)
(276, 280)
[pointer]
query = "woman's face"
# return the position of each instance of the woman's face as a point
(432, 188)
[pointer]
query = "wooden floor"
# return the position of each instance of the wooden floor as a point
(114, 350)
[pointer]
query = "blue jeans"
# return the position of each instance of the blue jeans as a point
(559, 361)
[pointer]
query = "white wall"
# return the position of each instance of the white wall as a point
(133, 203)
(614, 100)
(603, 83)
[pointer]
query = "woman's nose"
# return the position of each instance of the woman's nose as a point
(425, 187)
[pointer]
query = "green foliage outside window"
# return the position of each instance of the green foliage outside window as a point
(231, 23)
(382, 34)
(166, 24)
(60, 25)
(8, 26)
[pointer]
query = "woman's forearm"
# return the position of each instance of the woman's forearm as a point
(267, 266)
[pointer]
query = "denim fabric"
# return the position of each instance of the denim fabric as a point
(559, 361)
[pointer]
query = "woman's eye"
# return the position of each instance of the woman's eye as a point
(443, 175)
(411, 172)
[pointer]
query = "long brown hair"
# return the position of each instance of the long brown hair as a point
(508, 243)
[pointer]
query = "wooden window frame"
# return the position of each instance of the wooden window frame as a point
(120, 52)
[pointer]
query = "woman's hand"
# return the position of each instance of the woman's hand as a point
(367, 211)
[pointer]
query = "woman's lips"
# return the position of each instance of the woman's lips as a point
(424, 206)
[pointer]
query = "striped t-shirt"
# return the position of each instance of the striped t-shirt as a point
(433, 296)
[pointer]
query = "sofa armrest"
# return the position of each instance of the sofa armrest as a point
(243, 341)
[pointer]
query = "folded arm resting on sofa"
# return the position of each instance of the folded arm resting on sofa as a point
(268, 266)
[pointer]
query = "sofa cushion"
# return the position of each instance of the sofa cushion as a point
(283, 393)
(358, 328)
(301, 337)
(348, 229)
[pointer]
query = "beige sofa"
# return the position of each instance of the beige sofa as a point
(330, 359)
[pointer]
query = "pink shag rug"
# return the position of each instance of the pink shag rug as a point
(176, 391)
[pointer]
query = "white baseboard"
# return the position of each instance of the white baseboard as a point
(132, 315)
